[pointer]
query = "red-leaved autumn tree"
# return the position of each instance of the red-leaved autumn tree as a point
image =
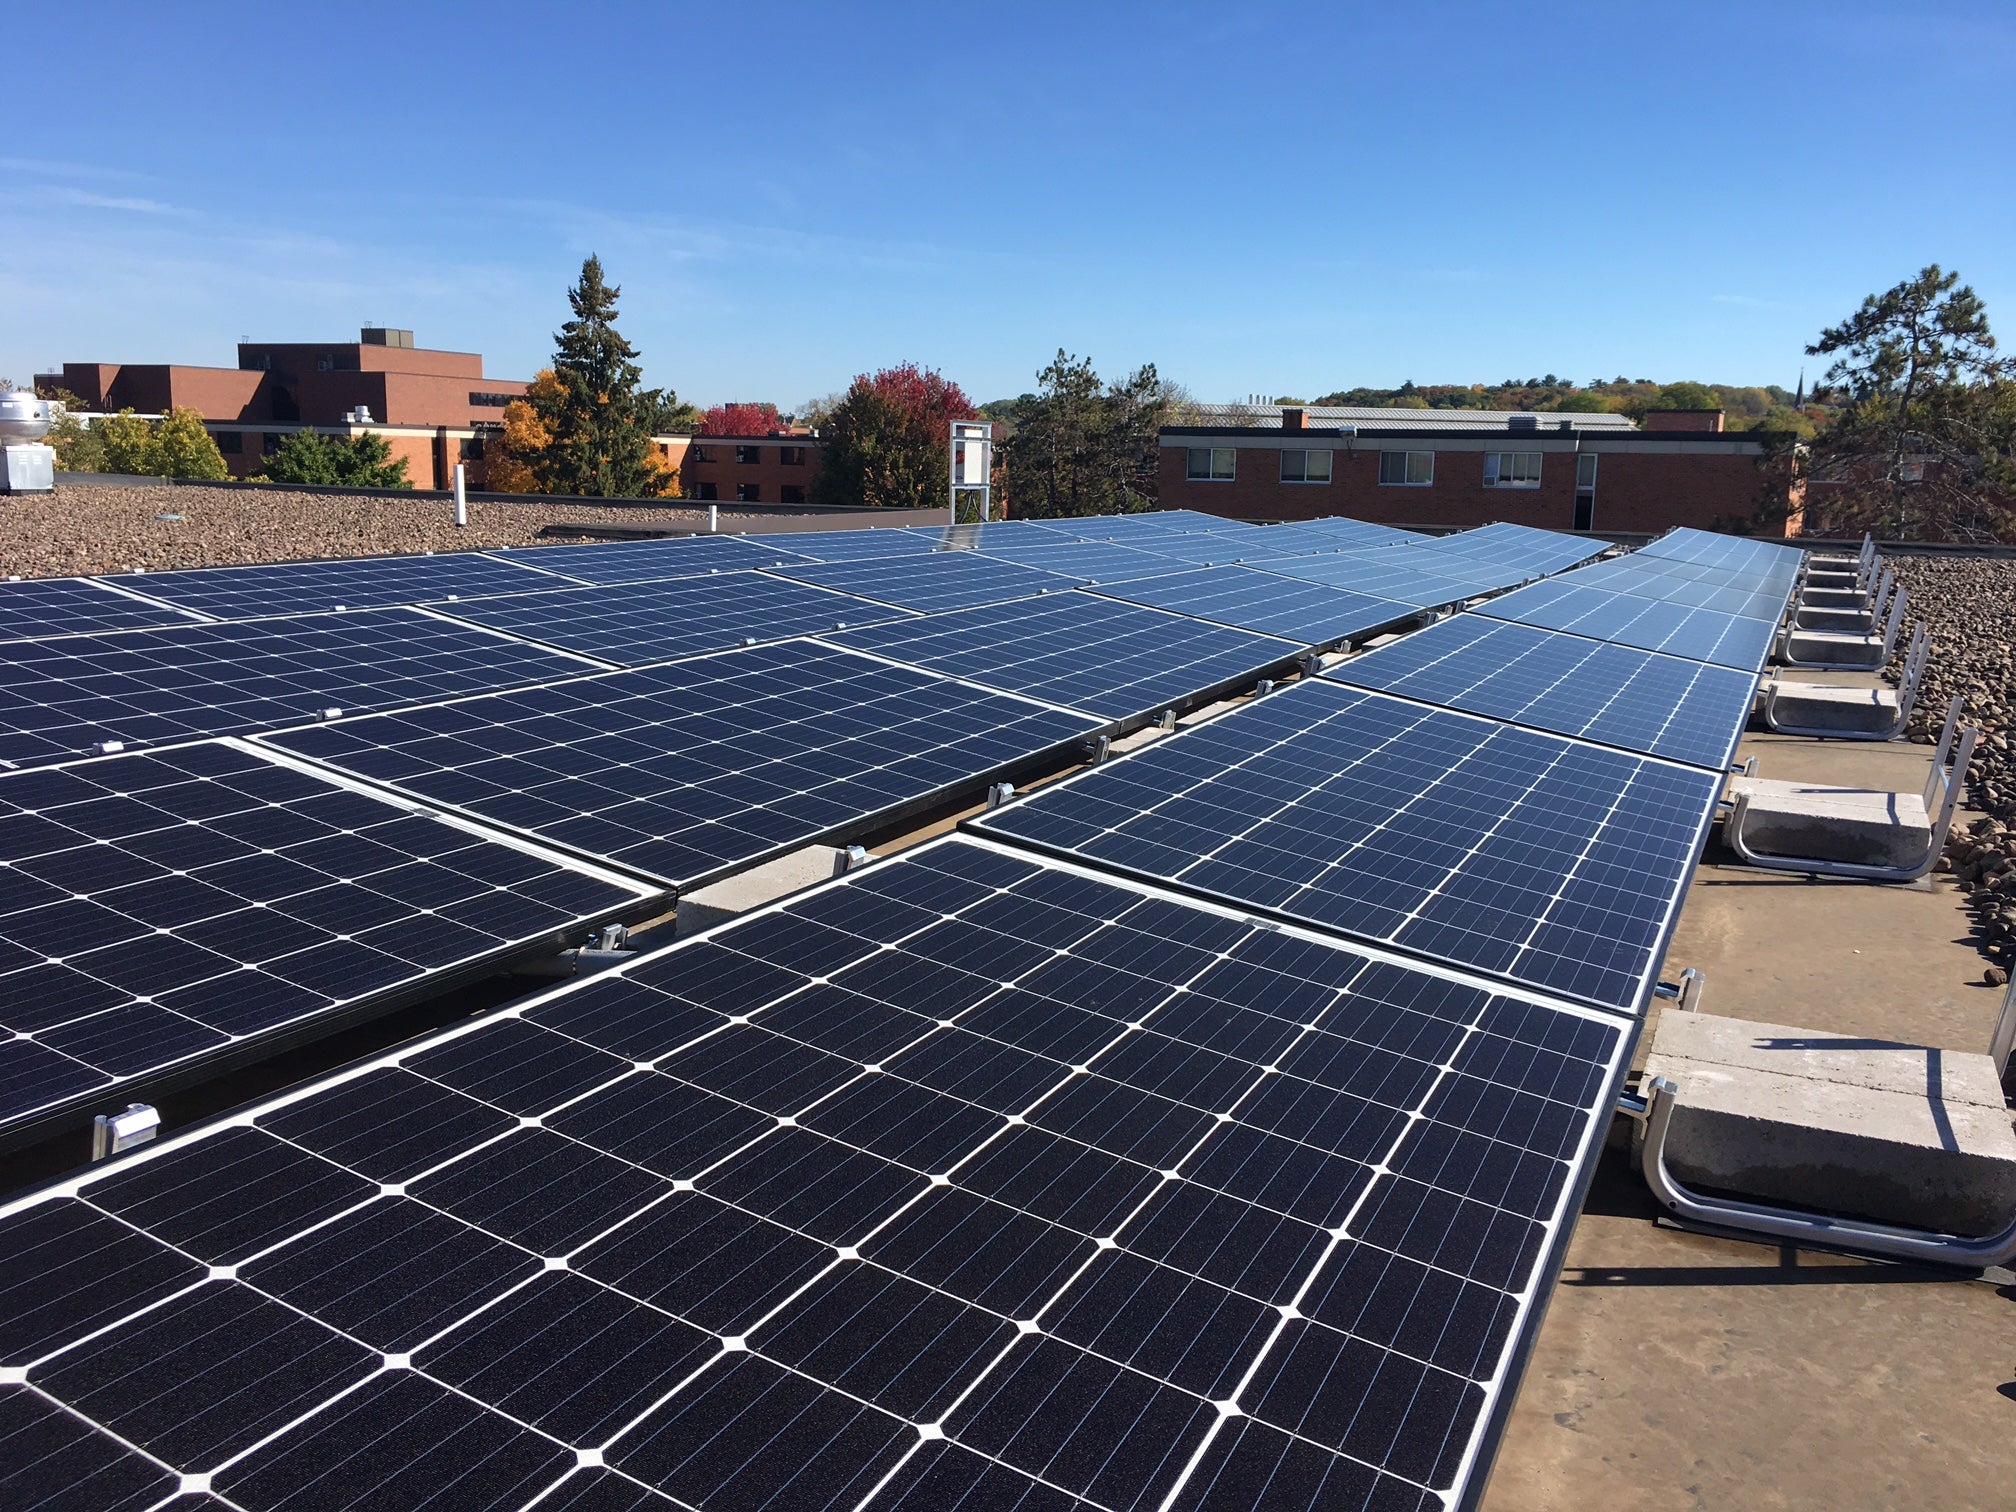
(887, 441)
(741, 420)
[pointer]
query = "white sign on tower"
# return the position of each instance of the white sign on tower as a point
(972, 463)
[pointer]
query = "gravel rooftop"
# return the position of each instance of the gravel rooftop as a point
(90, 529)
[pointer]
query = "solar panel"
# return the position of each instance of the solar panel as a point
(1690, 545)
(686, 771)
(1212, 548)
(1090, 561)
(987, 534)
(1170, 1210)
(1643, 579)
(42, 607)
(64, 697)
(1106, 658)
(1540, 551)
(853, 545)
(634, 623)
(165, 912)
(1469, 573)
(1649, 624)
(647, 561)
(1616, 695)
(1247, 599)
(1145, 529)
(1368, 573)
(352, 583)
(930, 583)
(1548, 861)
(1339, 531)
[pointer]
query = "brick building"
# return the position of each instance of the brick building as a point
(1457, 468)
(434, 408)
(774, 469)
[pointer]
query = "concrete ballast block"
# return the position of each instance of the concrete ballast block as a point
(1895, 1132)
(1836, 646)
(1818, 706)
(1867, 826)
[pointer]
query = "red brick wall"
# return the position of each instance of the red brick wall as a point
(769, 473)
(1635, 491)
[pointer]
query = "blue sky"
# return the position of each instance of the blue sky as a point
(1257, 198)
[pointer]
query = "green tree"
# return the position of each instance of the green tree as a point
(1081, 447)
(364, 460)
(598, 417)
(184, 448)
(127, 444)
(1687, 396)
(78, 447)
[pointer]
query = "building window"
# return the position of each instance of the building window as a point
(791, 493)
(471, 449)
(704, 492)
(749, 493)
(1411, 469)
(1512, 469)
(231, 443)
(697, 454)
(493, 401)
(791, 456)
(746, 454)
(1585, 470)
(1305, 467)
(1212, 463)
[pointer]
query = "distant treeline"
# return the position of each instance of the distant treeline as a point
(1765, 407)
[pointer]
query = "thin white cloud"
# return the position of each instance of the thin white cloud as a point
(132, 204)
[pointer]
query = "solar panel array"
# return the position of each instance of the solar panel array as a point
(61, 697)
(690, 769)
(1636, 700)
(1017, 1171)
(1650, 624)
(1551, 862)
(42, 607)
(157, 911)
(352, 583)
(1115, 660)
(975, 1182)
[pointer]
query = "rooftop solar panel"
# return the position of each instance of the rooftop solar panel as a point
(987, 534)
(160, 913)
(1738, 551)
(1214, 548)
(1169, 1210)
(1115, 660)
(1248, 599)
(1091, 561)
(1144, 529)
(1471, 573)
(647, 561)
(1524, 855)
(64, 697)
(1616, 695)
(1649, 624)
(853, 545)
(42, 607)
(934, 582)
(353, 583)
(1638, 578)
(1365, 572)
(634, 623)
(686, 771)
(1356, 532)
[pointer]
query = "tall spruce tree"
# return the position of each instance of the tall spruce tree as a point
(597, 415)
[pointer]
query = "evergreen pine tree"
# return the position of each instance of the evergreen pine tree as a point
(596, 415)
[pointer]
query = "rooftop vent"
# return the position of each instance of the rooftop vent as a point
(386, 336)
(1522, 422)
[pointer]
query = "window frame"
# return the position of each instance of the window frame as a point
(1211, 455)
(1494, 469)
(1406, 469)
(749, 456)
(748, 493)
(1305, 453)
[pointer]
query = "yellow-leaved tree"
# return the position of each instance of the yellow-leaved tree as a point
(512, 460)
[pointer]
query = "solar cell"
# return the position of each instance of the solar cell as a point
(1211, 548)
(930, 583)
(352, 583)
(1616, 695)
(1091, 561)
(1173, 1210)
(162, 913)
(1312, 613)
(647, 561)
(63, 697)
(987, 534)
(1525, 855)
(1649, 624)
(687, 770)
(42, 607)
(1106, 658)
(634, 623)
(854, 545)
